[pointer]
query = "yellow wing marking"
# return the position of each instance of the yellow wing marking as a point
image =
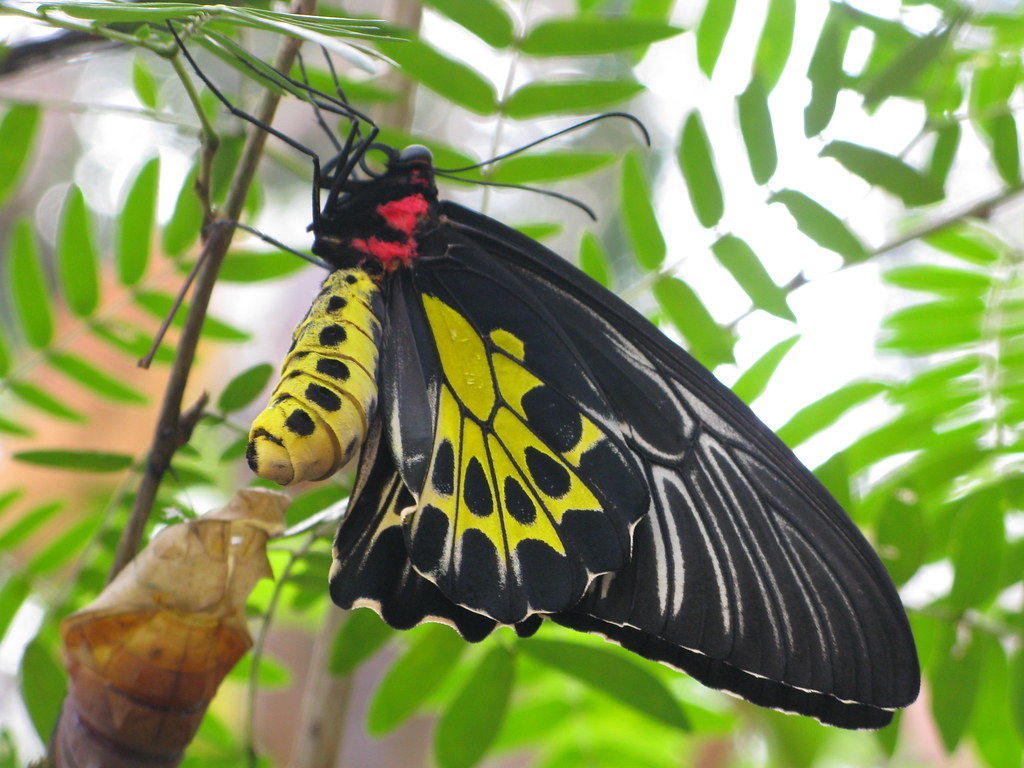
(515, 382)
(520, 525)
(489, 470)
(520, 442)
(463, 357)
(508, 342)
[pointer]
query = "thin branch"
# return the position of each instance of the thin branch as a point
(169, 434)
(325, 701)
(979, 210)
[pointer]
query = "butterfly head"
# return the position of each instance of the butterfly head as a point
(377, 222)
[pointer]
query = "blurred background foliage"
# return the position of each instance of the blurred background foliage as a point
(829, 218)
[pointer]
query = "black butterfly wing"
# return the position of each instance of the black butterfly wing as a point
(745, 572)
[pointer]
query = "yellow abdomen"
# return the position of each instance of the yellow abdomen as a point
(318, 414)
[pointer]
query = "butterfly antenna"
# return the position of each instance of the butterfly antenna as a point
(539, 190)
(332, 136)
(632, 118)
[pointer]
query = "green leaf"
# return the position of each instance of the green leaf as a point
(131, 340)
(360, 637)
(885, 171)
(899, 77)
(539, 230)
(698, 164)
(826, 411)
(486, 19)
(536, 99)
(313, 501)
(6, 499)
(1017, 690)
(593, 259)
(617, 675)
(413, 677)
(80, 461)
(947, 140)
(28, 524)
(245, 387)
(593, 35)
(825, 72)
(934, 326)
(756, 127)
(37, 398)
(143, 82)
(64, 547)
(272, 674)
(27, 286)
(821, 225)
(944, 281)
(746, 269)
(753, 382)
(17, 131)
(970, 243)
(994, 80)
(954, 680)
(709, 342)
(135, 224)
(546, 167)
(183, 227)
(474, 716)
(1002, 134)
(714, 26)
(638, 215)
(5, 357)
(251, 267)
(107, 12)
(76, 256)
(159, 306)
(902, 535)
(13, 428)
(977, 541)
(92, 378)
(451, 79)
(43, 687)
(992, 725)
(776, 42)
(13, 593)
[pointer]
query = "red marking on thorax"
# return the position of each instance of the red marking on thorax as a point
(403, 214)
(389, 254)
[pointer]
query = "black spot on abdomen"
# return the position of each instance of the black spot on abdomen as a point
(332, 335)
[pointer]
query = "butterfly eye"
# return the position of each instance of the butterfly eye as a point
(416, 154)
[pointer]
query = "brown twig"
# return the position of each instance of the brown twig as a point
(977, 210)
(170, 432)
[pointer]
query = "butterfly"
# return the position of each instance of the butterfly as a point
(531, 447)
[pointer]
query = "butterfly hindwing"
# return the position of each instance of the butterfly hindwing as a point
(525, 491)
(371, 564)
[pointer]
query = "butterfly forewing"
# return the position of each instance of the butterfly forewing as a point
(744, 557)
